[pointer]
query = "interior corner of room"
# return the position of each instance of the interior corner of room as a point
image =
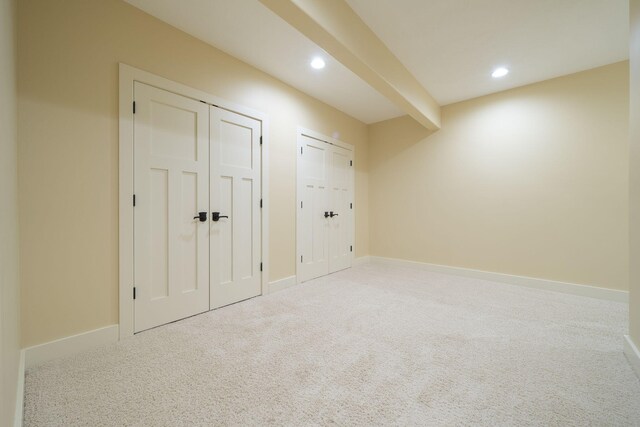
(145, 155)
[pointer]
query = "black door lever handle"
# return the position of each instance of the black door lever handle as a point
(202, 216)
(326, 214)
(331, 214)
(215, 216)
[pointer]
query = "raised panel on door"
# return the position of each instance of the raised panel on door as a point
(313, 182)
(341, 196)
(171, 184)
(235, 193)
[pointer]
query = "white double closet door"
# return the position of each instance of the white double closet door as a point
(325, 207)
(197, 214)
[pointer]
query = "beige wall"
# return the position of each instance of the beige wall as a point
(634, 201)
(531, 182)
(68, 125)
(9, 286)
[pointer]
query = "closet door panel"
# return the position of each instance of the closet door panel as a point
(171, 185)
(235, 199)
(341, 223)
(313, 181)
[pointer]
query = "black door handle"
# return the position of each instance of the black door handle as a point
(202, 216)
(326, 214)
(215, 216)
(331, 214)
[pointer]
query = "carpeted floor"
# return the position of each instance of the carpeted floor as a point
(373, 345)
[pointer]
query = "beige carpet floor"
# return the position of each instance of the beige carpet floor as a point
(373, 345)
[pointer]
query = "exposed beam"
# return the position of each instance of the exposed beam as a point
(337, 29)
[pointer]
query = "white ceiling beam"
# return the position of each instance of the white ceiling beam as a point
(336, 28)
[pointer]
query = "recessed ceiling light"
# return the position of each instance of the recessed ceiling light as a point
(499, 72)
(317, 63)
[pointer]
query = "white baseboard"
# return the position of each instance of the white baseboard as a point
(70, 345)
(17, 419)
(361, 260)
(632, 353)
(531, 282)
(278, 285)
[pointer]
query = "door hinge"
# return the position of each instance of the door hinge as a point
(351, 205)
(300, 258)
(300, 150)
(260, 266)
(350, 162)
(260, 202)
(350, 248)
(134, 107)
(300, 205)
(134, 292)
(261, 140)
(134, 200)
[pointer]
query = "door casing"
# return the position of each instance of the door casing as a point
(127, 76)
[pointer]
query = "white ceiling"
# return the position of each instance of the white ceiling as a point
(451, 46)
(249, 31)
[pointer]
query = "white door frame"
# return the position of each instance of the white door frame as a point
(332, 141)
(129, 75)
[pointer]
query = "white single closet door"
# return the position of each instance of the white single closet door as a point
(313, 206)
(235, 193)
(341, 205)
(171, 182)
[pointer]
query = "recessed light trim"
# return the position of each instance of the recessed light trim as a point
(499, 72)
(318, 63)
